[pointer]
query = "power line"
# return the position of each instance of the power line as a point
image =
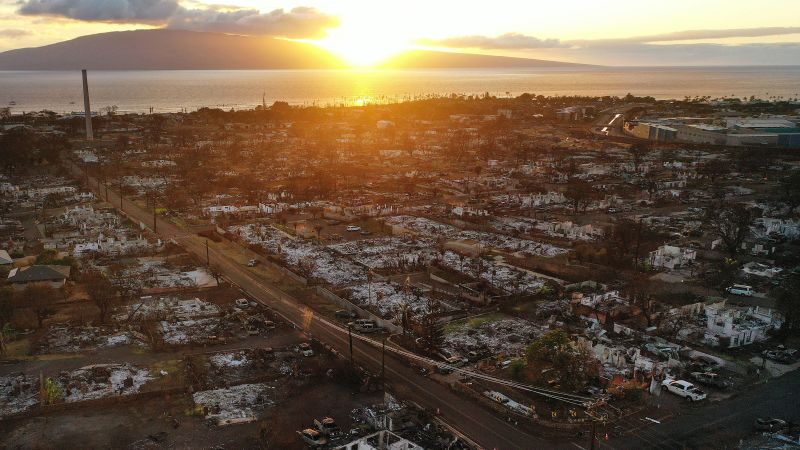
(574, 399)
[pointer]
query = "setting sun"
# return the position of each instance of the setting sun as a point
(362, 46)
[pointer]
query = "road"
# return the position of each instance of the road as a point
(716, 425)
(473, 421)
(610, 121)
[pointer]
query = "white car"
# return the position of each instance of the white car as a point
(353, 228)
(242, 303)
(741, 289)
(684, 389)
(305, 350)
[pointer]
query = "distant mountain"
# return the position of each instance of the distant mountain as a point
(427, 59)
(177, 49)
(169, 49)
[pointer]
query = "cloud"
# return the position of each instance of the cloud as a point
(13, 33)
(508, 41)
(676, 49)
(300, 22)
(133, 11)
(696, 54)
(667, 49)
(694, 35)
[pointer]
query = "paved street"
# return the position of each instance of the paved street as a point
(715, 425)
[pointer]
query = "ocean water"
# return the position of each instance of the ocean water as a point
(174, 90)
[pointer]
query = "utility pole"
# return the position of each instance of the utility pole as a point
(383, 366)
(207, 260)
(350, 336)
(155, 223)
(44, 219)
(638, 241)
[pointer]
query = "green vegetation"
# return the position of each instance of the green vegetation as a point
(474, 322)
(517, 369)
(50, 258)
(570, 362)
(51, 391)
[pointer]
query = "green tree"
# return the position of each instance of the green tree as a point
(51, 391)
(569, 361)
(788, 303)
(50, 258)
(517, 369)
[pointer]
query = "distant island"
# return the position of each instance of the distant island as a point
(187, 50)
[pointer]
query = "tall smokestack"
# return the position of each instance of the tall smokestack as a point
(87, 111)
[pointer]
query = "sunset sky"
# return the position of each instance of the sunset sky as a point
(645, 32)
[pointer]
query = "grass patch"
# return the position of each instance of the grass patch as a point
(473, 322)
(524, 308)
(18, 349)
(175, 373)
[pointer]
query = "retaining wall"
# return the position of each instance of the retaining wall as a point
(362, 313)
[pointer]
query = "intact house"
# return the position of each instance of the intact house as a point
(52, 276)
(671, 257)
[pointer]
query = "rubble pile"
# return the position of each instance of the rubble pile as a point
(73, 339)
(388, 299)
(511, 244)
(150, 308)
(192, 331)
(153, 273)
(18, 393)
(502, 276)
(241, 366)
(507, 336)
(102, 380)
(387, 252)
(310, 258)
(236, 404)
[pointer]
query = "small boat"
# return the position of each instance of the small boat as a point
(12, 103)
